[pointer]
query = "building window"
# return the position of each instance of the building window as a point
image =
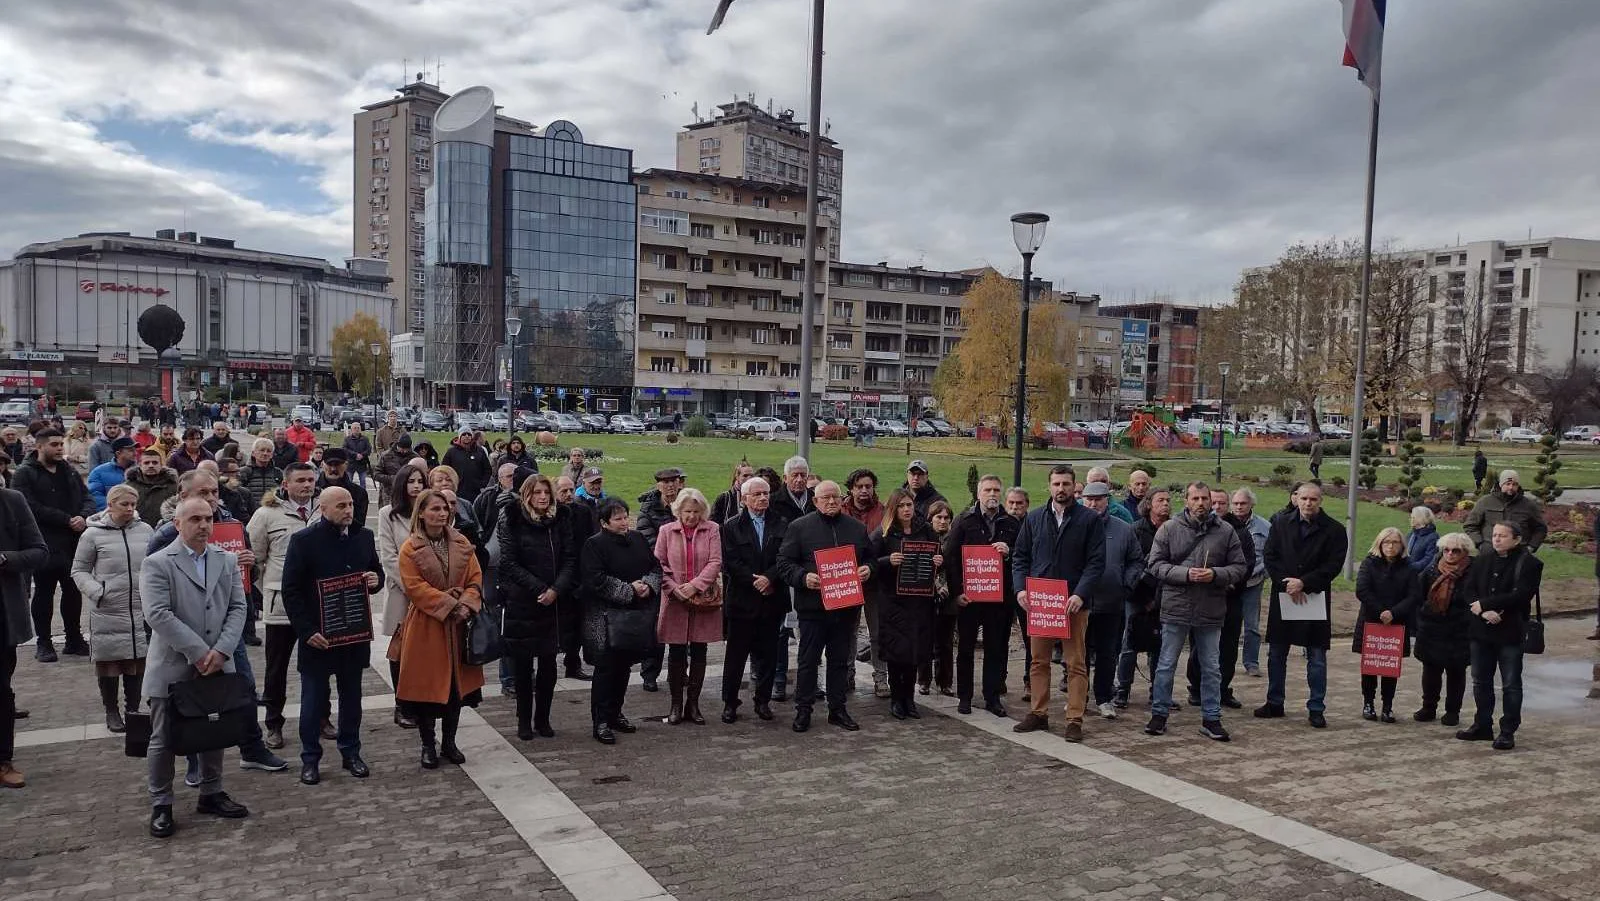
(755, 367)
(1527, 281)
(764, 303)
(420, 163)
(761, 336)
(761, 201)
(668, 297)
(843, 310)
(840, 372)
(858, 278)
(898, 283)
(663, 364)
(710, 144)
(700, 365)
(1538, 252)
(678, 193)
(789, 370)
(698, 230)
(664, 260)
(699, 333)
(840, 341)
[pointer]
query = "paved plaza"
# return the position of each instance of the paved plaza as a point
(951, 807)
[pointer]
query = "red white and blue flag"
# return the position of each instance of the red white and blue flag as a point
(1363, 39)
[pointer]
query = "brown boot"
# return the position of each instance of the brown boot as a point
(691, 701)
(675, 679)
(10, 776)
(1033, 722)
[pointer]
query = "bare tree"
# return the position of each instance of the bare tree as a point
(1566, 395)
(1396, 359)
(1103, 384)
(1475, 346)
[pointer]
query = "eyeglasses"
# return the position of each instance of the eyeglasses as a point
(1454, 550)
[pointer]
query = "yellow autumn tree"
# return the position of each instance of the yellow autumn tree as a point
(977, 383)
(352, 353)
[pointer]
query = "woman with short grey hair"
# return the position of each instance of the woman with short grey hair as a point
(106, 569)
(1422, 545)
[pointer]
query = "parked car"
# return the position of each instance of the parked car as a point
(924, 430)
(892, 427)
(625, 424)
(85, 411)
(432, 421)
(307, 414)
(496, 421)
(565, 422)
(1581, 433)
(1519, 435)
(1333, 431)
(722, 420)
(466, 419)
(766, 426)
(940, 427)
(16, 412)
(593, 422)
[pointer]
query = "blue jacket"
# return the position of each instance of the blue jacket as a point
(103, 478)
(1422, 546)
(1075, 552)
(1125, 564)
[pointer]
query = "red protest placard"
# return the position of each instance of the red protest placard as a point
(981, 574)
(1382, 649)
(841, 581)
(1047, 608)
(230, 537)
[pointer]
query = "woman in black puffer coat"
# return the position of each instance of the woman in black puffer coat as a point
(1383, 588)
(538, 566)
(621, 584)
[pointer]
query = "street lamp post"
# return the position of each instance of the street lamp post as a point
(377, 351)
(1222, 412)
(513, 329)
(1027, 230)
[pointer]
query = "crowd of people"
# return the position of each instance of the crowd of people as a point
(573, 575)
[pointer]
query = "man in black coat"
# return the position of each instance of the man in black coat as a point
(570, 609)
(833, 631)
(22, 549)
(335, 545)
(756, 599)
(1304, 554)
(1060, 540)
(61, 506)
(655, 511)
(283, 450)
(471, 463)
(336, 474)
(922, 491)
(985, 523)
(792, 499)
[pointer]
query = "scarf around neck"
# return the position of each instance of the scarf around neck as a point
(1450, 571)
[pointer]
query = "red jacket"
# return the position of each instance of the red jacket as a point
(302, 438)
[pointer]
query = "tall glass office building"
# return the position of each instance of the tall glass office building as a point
(570, 214)
(462, 308)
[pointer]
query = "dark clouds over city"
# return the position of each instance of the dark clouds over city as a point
(1173, 141)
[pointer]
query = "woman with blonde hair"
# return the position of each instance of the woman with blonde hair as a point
(690, 551)
(443, 586)
(1439, 598)
(78, 442)
(106, 569)
(1383, 589)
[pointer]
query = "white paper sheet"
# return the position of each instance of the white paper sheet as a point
(1314, 610)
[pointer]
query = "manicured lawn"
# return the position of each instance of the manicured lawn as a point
(631, 461)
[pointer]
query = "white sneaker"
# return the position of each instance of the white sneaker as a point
(1107, 711)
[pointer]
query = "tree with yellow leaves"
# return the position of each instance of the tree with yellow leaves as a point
(353, 362)
(978, 382)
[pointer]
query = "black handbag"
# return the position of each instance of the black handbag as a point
(209, 713)
(480, 639)
(1533, 630)
(136, 740)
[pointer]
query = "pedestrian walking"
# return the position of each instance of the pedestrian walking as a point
(22, 549)
(538, 565)
(1383, 591)
(1439, 599)
(621, 584)
(193, 599)
(443, 585)
(1480, 470)
(1501, 585)
(1315, 458)
(1304, 554)
(105, 568)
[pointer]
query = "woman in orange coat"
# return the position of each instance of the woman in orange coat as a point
(443, 585)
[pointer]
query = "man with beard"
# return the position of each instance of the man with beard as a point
(985, 523)
(61, 506)
(822, 630)
(471, 463)
(1508, 503)
(155, 483)
(1141, 631)
(283, 513)
(1060, 540)
(922, 491)
(336, 474)
(1233, 622)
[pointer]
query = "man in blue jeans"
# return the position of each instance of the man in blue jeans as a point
(1197, 558)
(1243, 505)
(1304, 554)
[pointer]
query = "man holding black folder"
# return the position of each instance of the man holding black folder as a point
(1066, 541)
(335, 634)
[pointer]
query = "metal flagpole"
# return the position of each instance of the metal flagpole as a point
(1361, 350)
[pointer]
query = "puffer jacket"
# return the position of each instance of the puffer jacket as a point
(535, 555)
(106, 569)
(653, 514)
(1184, 542)
(269, 531)
(392, 533)
(259, 481)
(1384, 585)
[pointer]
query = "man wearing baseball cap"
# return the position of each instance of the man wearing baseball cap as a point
(108, 475)
(471, 463)
(922, 491)
(336, 474)
(592, 490)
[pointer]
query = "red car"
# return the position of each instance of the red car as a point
(85, 411)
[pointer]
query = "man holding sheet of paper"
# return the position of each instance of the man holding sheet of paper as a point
(1304, 554)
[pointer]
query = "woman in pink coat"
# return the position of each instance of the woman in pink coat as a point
(690, 551)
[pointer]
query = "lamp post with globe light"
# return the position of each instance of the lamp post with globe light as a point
(1222, 414)
(1027, 230)
(513, 329)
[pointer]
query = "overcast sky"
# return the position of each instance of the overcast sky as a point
(1173, 142)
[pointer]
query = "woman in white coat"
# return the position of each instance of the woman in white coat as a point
(394, 527)
(106, 570)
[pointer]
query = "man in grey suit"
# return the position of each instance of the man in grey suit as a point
(193, 599)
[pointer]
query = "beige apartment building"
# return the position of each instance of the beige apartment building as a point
(393, 159)
(721, 264)
(742, 140)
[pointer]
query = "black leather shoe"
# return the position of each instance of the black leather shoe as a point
(730, 714)
(45, 653)
(576, 672)
(76, 647)
(1194, 700)
(220, 805)
(1318, 721)
(995, 707)
(253, 641)
(524, 732)
(912, 711)
(621, 724)
(161, 823)
(650, 685)
(309, 774)
(896, 710)
(764, 710)
(453, 754)
(430, 759)
(1504, 742)
(802, 719)
(1231, 702)
(357, 767)
(603, 734)
(780, 696)
(542, 729)
(1476, 733)
(964, 705)
(841, 718)
(1269, 712)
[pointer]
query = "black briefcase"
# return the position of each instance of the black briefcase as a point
(209, 713)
